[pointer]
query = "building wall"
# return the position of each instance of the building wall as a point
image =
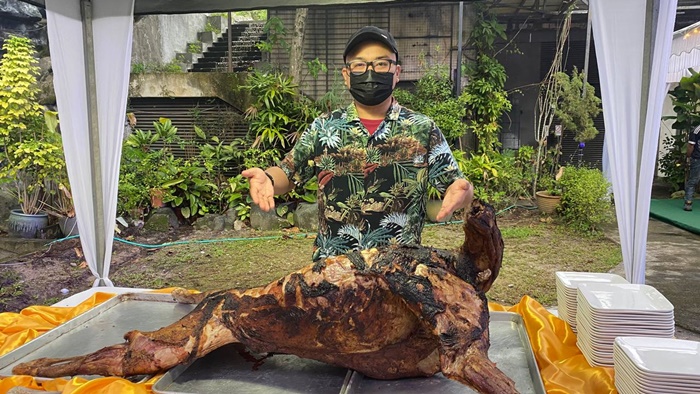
(158, 38)
(425, 36)
(526, 68)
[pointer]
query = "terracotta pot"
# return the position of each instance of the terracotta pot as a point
(157, 198)
(546, 202)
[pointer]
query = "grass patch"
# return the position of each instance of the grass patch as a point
(534, 251)
(10, 287)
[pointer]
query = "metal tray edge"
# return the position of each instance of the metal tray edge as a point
(525, 339)
(31, 346)
(513, 317)
(168, 378)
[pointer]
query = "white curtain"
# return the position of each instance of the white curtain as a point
(633, 85)
(93, 178)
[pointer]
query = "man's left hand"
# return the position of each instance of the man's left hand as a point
(459, 195)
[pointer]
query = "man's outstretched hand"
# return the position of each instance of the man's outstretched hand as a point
(261, 189)
(458, 195)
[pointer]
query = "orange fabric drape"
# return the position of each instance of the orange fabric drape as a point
(562, 366)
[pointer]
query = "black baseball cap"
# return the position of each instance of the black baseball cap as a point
(371, 33)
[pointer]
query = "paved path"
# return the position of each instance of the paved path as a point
(673, 268)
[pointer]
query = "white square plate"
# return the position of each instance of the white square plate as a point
(662, 355)
(624, 297)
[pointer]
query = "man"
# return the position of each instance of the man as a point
(373, 160)
(693, 154)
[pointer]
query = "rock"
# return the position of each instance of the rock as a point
(172, 217)
(230, 217)
(8, 202)
(22, 19)
(16, 9)
(238, 225)
(162, 220)
(306, 217)
(261, 220)
(212, 222)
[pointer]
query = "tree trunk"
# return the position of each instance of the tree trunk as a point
(296, 52)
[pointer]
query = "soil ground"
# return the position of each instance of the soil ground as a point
(536, 247)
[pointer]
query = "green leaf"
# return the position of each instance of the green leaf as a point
(200, 133)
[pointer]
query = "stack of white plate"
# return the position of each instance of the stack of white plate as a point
(567, 283)
(609, 310)
(656, 365)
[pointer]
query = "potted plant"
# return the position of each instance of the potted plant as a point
(577, 105)
(434, 204)
(60, 205)
(549, 197)
(32, 154)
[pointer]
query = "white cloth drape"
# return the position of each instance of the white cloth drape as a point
(631, 142)
(112, 24)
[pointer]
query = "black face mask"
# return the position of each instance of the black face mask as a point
(371, 88)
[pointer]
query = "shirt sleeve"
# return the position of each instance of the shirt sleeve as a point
(298, 163)
(694, 136)
(443, 168)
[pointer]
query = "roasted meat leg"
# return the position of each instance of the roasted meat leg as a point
(395, 312)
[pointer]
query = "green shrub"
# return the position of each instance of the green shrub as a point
(516, 173)
(499, 178)
(585, 202)
(433, 97)
(145, 168)
(194, 47)
(278, 114)
(673, 161)
(211, 28)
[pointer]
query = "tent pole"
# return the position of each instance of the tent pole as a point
(93, 137)
(460, 26)
(588, 53)
(652, 12)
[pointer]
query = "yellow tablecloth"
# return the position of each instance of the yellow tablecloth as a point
(562, 366)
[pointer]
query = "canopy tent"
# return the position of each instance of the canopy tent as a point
(685, 53)
(633, 41)
(90, 43)
(143, 7)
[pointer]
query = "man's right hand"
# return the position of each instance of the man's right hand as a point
(261, 189)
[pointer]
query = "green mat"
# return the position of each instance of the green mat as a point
(671, 211)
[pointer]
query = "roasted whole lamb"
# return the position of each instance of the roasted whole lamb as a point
(389, 313)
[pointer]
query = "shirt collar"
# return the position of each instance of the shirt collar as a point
(392, 114)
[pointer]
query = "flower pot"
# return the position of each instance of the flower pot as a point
(68, 225)
(24, 225)
(432, 208)
(157, 198)
(546, 202)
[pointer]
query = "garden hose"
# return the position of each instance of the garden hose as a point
(300, 235)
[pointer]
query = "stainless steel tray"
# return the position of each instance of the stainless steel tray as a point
(226, 371)
(510, 350)
(101, 326)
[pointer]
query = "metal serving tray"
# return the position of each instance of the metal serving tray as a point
(510, 349)
(226, 371)
(98, 327)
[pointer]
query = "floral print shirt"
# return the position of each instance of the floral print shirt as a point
(372, 189)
